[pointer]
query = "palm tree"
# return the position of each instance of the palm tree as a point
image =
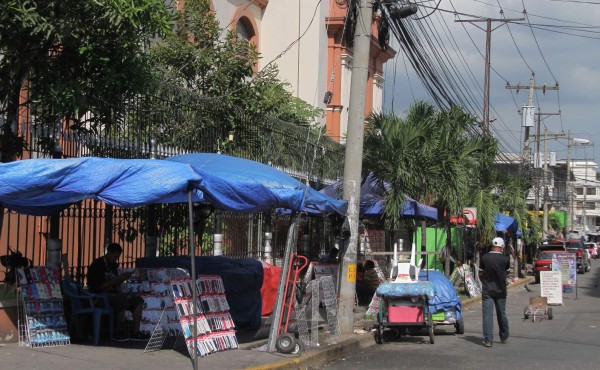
(431, 156)
(439, 158)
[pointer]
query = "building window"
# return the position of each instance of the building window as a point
(245, 28)
(591, 191)
(242, 31)
(579, 191)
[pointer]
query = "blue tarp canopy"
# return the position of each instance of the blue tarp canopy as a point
(504, 223)
(372, 200)
(251, 185)
(45, 186)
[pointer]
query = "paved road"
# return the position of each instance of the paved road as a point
(570, 341)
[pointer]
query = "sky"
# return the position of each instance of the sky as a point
(571, 60)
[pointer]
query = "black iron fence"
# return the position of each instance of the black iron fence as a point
(157, 127)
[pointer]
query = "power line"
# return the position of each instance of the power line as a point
(513, 39)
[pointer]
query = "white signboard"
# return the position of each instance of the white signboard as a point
(551, 286)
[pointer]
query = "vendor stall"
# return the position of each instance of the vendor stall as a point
(404, 305)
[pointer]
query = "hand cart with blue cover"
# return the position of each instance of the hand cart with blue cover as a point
(405, 305)
(445, 306)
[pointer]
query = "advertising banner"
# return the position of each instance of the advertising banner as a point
(567, 265)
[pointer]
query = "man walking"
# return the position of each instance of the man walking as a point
(493, 280)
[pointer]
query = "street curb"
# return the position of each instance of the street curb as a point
(320, 356)
(472, 301)
(315, 358)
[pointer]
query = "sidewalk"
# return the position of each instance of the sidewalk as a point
(130, 355)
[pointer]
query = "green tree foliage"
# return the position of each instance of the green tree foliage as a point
(437, 157)
(430, 156)
(202, 57)
(76, 59)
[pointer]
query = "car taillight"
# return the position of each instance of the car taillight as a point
(579, 253)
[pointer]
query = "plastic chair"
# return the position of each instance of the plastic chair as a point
(82, 303)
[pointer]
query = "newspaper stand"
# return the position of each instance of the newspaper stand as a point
(403, 306)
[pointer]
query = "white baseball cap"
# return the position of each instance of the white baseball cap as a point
(498, 242)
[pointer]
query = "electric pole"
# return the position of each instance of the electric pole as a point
(354, 154)
(486, 82)
(353, 161)
(527, 113)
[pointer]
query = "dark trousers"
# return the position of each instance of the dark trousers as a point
(487, 306)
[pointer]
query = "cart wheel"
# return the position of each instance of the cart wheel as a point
(431, 340)
(298, 348)
(460, 326)
(379, 335)
(525, 314)
(402, 332)
(550, 313)
(286, 343)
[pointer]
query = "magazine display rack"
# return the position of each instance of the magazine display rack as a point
(159, 319)
(153, 286)
(214, 329)
(42, 320)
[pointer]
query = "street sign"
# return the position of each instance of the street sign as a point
(551, 286)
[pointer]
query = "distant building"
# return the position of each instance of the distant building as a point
(305, 39)
(578, 195)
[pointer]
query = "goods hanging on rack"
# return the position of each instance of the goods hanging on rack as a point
(212, 328)
(169, 311)
(41, 315)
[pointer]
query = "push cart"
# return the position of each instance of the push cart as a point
(446, 307)
(286, 341)
(404, 306)
(537, 309)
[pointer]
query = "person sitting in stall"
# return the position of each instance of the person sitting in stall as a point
(365, 287)
(103, 277)
(331, 257)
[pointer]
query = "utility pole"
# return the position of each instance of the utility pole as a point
(353, 161)
(354, 153)
(537, 164)
(531, 87)
(568, 187)
(545, 186)
(486, 82)
(583, 212)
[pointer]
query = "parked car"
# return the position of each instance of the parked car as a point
(582, 255)
(593, 248)
(543, 262)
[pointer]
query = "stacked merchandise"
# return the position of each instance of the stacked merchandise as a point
(214, 329)
(154, 287)
(44, 324)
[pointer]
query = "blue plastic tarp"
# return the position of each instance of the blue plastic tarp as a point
(44, 186)
(505, 223)
(372, 200)
(242, 279)
(251, 185)
(445, 297)
(397, 290)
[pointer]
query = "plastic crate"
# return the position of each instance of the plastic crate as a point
(406, 314)
(439, 316)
